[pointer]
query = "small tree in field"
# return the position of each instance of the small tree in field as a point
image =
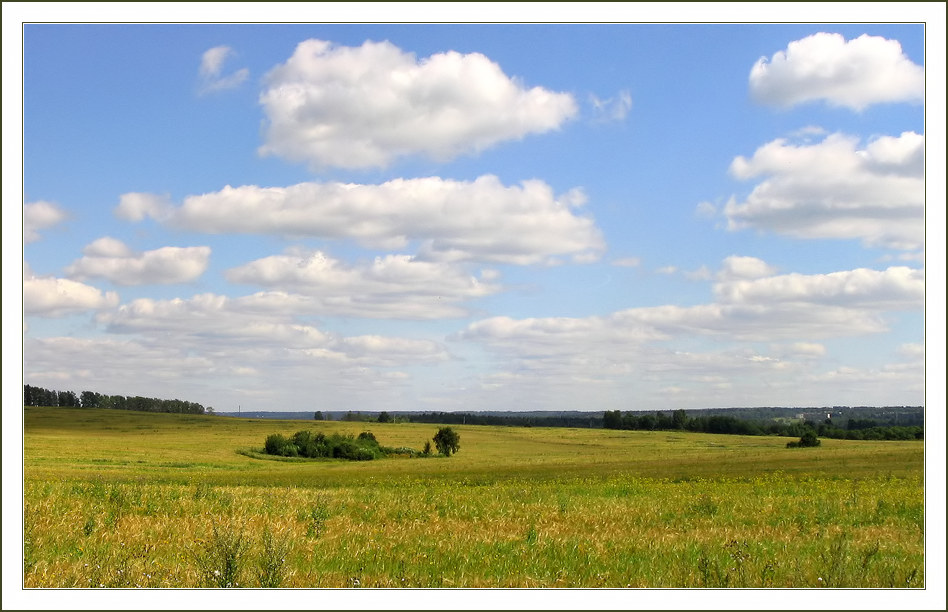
(447, 441)
(808, 439)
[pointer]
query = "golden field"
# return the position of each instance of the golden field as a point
(124, 499)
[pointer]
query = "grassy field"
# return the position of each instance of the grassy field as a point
(122, 499)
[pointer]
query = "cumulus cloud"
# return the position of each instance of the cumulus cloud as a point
(649, 346)
(39, 216)
(55, 297)
(138, 206)
(854, 74)
(896, 288)
(111, 259)
(359, 107)
(739, 267)
(480, 220)
(834, 189)
(393, 286)
(212, 64)
(209, 324)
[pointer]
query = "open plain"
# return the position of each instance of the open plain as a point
(125, 499)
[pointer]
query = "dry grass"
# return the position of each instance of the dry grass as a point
(125, 500)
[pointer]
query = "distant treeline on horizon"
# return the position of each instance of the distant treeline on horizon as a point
(38, 396)
(844, 422)
(850, 428)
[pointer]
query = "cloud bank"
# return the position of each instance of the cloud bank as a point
(836, 189)
(480, 220)
(393, 286)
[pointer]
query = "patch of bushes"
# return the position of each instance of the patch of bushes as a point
(311, 445)
(808, 439)
(363, 447)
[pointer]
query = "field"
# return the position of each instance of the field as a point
(123, 499)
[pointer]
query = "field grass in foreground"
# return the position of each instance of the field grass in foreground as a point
(120, 499)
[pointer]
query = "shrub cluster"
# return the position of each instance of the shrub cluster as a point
(806, 440)
(363, 447)
(307, 444)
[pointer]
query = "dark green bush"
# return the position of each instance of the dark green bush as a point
(276, 445)
(310, 445)
(808, 439)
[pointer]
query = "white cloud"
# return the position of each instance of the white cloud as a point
(627, 262)
(39, 216)
(209, 324)
(701, 274)
(896, 288)
(111, 259)
(54, 297)
(482, 220)
(212, 63)
(739, 267)
(357, 107)
(612, 109)
(706, 348)
(804, 349)
(393, 286)
(137, 206)
(213, 60)
(854, 74)
(706, 210)
(835, 190)
(258, 378)
(913, 351)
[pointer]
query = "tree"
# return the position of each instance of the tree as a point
(89, 399)
(612, 419)
(385, 417)
(447, 441)
(318, 415)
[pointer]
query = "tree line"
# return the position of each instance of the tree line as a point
(855, 429)
(38, 396)
(463, 418)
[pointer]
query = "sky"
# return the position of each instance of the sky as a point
(469, 217)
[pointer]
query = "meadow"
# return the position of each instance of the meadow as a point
(126, 499)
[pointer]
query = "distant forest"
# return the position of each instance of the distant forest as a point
(844, 429)
(842, 422)
(37, 396)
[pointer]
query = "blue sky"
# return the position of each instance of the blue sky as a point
(476, 217)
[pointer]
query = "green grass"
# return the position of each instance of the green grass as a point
(131, 499)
